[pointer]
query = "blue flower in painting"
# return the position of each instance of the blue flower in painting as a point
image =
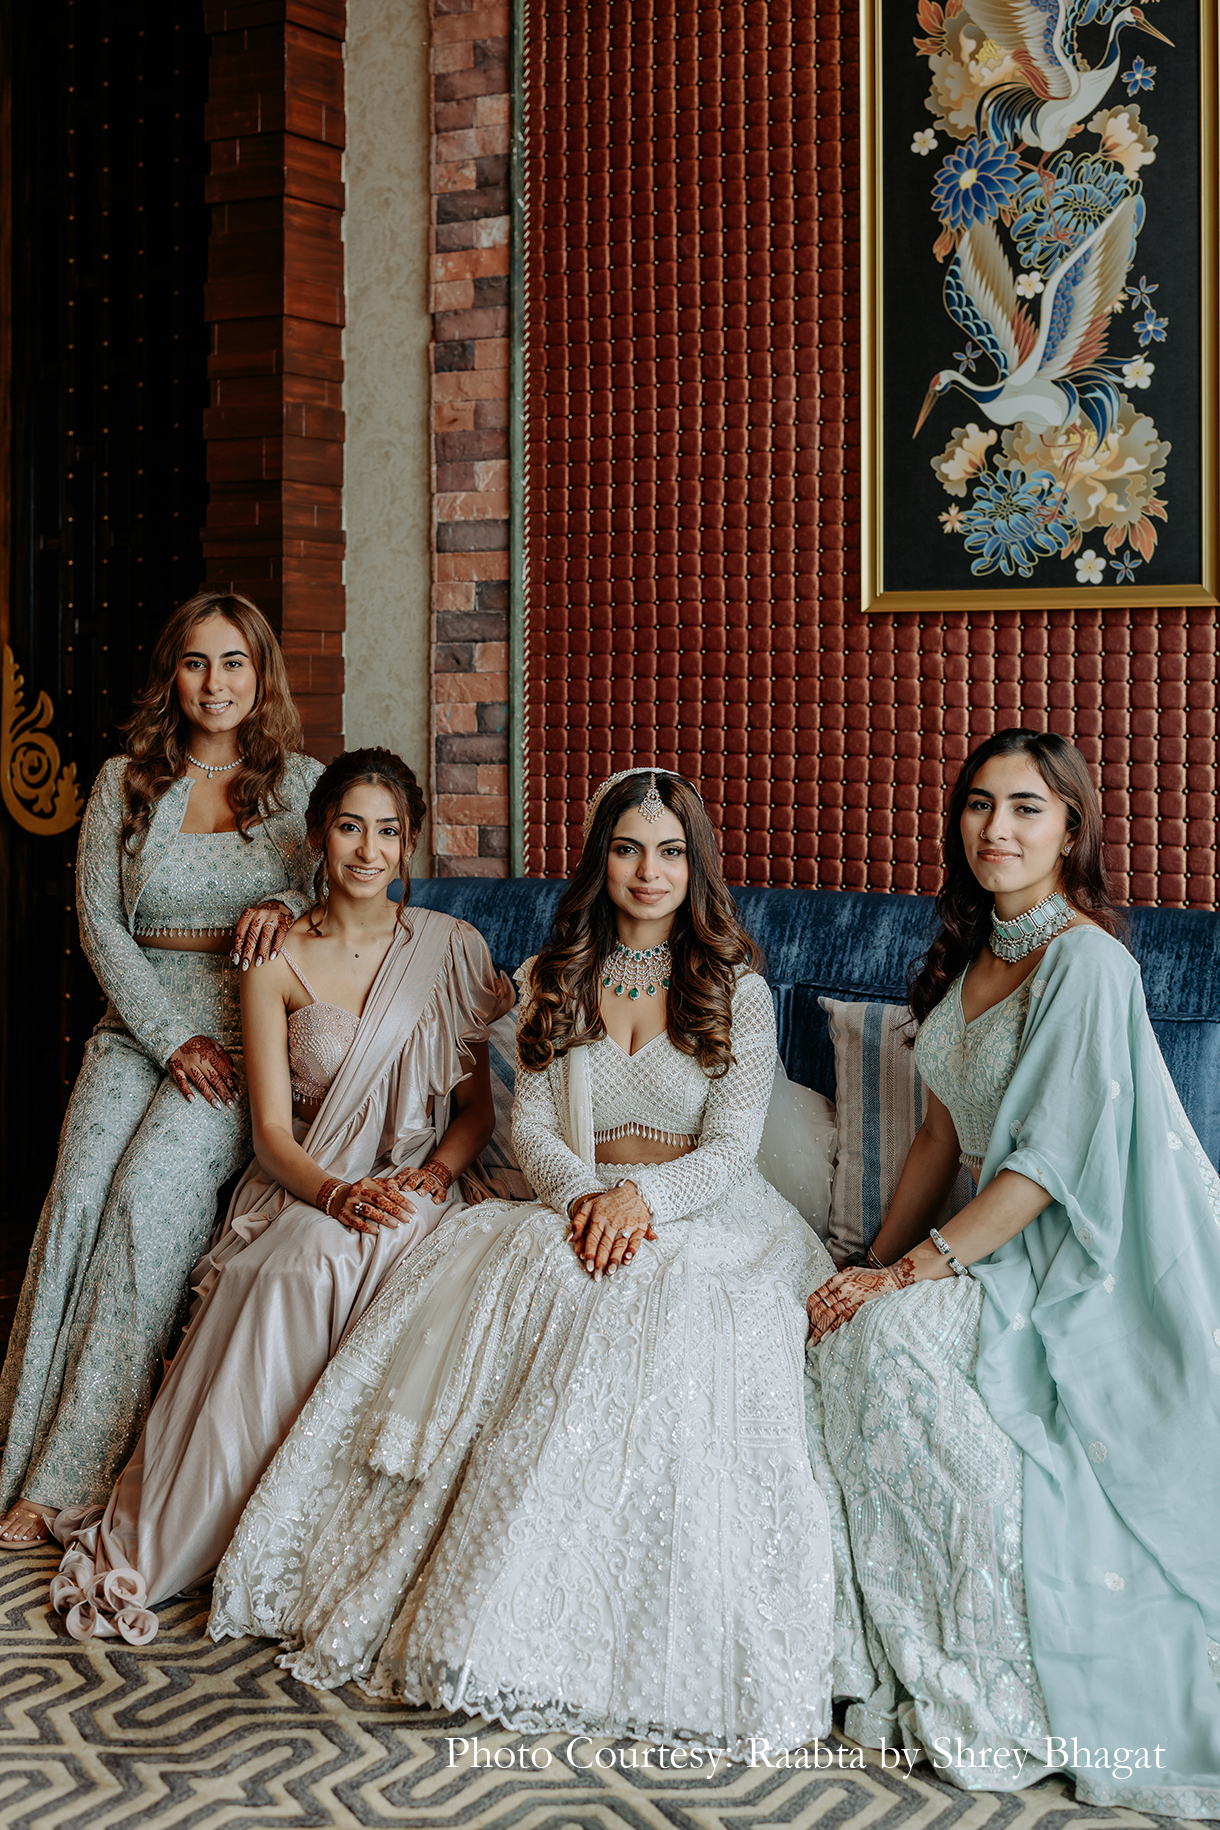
(1060, 206)
(1015, 520)
(1124, 568)
(1150, 328)
(967, 358)
(975, 183)
(1142, 294)
(1139, 76)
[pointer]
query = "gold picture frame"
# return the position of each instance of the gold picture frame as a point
(906, 573)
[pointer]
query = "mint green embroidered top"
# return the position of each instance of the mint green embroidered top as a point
(117, 891)
(969, 1065)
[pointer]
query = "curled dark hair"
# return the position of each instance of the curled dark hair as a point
(964, 906)
(381, 769)
(707, 941)
(156, 744)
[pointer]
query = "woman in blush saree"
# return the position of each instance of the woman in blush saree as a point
(370, 1096)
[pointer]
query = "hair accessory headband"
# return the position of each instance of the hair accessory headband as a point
(651, 807)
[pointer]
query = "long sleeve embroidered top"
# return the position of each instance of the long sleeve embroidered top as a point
(110, 882)
(660, 1087)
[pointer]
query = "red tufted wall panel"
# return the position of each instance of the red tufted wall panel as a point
(692, 513)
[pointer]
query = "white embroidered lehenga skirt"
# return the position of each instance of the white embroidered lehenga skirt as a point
(601, 1515)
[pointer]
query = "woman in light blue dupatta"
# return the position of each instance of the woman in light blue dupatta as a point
(1027, 1451)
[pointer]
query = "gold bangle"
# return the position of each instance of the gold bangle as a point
(327, 1193)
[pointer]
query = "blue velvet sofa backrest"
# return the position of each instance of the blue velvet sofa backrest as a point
(857, 946)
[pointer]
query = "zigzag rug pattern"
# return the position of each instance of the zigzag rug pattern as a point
(185, 1735)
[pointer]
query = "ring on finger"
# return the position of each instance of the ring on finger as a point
(359, 1208)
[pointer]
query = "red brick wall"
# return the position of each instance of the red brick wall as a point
(470, 250)
(275, 308)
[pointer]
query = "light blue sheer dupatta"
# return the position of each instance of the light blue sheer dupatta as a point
(1099, 1354)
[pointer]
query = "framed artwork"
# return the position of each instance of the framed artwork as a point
(1039, 315)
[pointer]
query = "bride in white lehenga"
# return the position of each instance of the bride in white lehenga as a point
(558, 1476)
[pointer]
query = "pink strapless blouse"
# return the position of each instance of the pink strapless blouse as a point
(319, 1036)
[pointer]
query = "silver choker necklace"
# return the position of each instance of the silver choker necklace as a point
(1012, 940)
(628, 972)
(211, 769)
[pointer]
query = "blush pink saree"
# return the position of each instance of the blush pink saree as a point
(278, 1292)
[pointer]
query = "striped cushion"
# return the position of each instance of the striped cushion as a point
(880, 1102)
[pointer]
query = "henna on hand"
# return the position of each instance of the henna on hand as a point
(260, 933)
(840, 1296)
(372, 1202)
(200, 1062)
(432, 1178)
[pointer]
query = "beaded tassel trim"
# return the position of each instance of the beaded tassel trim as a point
(186, 933)
(1013, 940)
(633, 1129)
(628, 972)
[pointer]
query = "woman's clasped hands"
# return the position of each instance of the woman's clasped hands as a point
(608, 1228)
(372, 1201)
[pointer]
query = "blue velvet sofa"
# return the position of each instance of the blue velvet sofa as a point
(857, 946)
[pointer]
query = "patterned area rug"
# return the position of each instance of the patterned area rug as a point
(199, 1737)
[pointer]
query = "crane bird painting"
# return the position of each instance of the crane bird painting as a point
(1058, 89)
(1055, 374)
(1039, 198)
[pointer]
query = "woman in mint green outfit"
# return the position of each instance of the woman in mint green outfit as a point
(193, 862)
(1022, 1413)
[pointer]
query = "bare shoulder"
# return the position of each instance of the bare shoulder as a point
(305, 945)
(269, 986)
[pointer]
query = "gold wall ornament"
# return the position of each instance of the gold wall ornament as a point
(39, 791)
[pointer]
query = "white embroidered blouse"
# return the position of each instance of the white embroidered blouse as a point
(662, 1089)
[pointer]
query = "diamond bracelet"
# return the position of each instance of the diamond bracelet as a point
(955, 1264)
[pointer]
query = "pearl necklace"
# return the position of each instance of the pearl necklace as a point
(211, 769)
(630, 971)
(1013, 940)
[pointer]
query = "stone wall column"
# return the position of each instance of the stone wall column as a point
(470, 251)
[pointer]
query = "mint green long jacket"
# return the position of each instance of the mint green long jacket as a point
(1100, 1355)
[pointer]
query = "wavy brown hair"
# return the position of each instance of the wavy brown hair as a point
(964, 906)
(155, 732)
(380, 769)
(707, 941)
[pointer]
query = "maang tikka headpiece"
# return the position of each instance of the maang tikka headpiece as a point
(652, 806)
